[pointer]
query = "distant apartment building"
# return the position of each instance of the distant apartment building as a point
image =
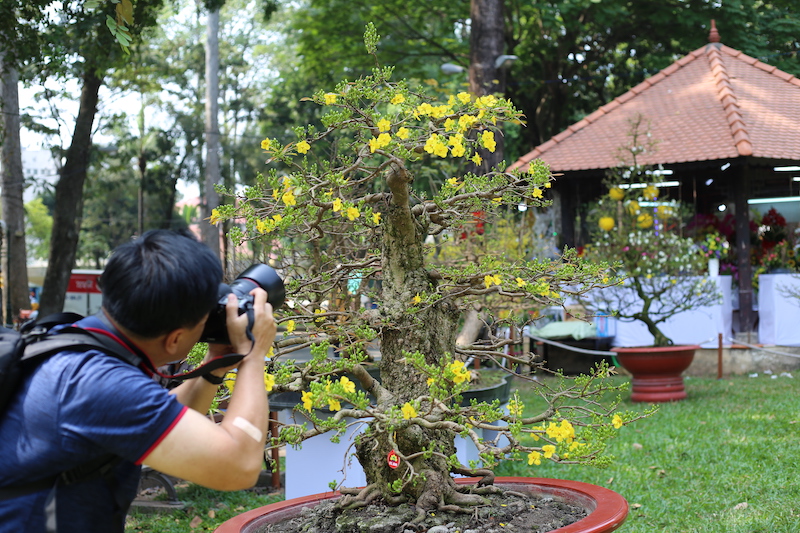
(39, 170)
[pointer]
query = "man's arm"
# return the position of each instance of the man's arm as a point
(227, 456)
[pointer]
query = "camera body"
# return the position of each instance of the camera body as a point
(258, 275)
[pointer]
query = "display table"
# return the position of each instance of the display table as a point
(778, 311)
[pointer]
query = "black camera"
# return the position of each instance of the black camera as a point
(258, 275)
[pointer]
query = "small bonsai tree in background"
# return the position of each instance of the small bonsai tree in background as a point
(638, 231)
(349, 234)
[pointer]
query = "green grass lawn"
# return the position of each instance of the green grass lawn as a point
(723, 460)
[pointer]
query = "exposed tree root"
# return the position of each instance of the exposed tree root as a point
(362, 499)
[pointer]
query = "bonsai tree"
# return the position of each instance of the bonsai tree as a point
(638, 234)
(348, 230)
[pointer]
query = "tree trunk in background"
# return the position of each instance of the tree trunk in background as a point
(486, 44)
(69, 198)
(12, 203)
(211, 232)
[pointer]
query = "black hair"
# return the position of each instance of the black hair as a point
(159, 282)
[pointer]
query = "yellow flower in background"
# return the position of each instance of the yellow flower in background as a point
(408, 411)
(464, 97)
(308, 400)
(275, 193)
(616, 421)
(303, 147)
(337, 204)
(487, 137)
(402, 133)
(290, 325)
(266, 144)
(537, 193)
(263, 226)
(353, 213)
(215, 217)
(644, 220)
(534, 458)
(664, 211)
(330, 98)
(453, 182)
(616, 193)
(269, 381)
(515, 407)
(379, 142)
(347, 384)
(606, 223)
(398, 99)
(489, 280)
(384, 125)
(633, 207)
(650, 192)
(376, 218)
(230, 380)
(548, 450)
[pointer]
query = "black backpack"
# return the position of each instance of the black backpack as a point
(35, 342)
(30, 346)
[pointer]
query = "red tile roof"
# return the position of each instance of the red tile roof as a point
(714, 103)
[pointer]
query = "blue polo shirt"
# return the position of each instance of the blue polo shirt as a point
(72, 408)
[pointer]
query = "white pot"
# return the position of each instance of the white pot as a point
(713, 267)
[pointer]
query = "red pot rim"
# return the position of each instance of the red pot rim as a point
(656, 349)
(607, 509)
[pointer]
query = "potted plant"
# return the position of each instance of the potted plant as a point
(658, 271)
(345, 221)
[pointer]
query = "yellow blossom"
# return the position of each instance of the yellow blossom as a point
(548, 450)
(290, 325)
(633, 207)
(537, 192)
(376, 218)
(616, 421)
(402, 133)
(303, 147)
(477, 160)
(409, 411)
(465, 122)
(330, 98)
(424, 109)
(606, 223)
(398, 99)
(616, 193)
(308, 400)
(429, 381)
(465, 97)
(353, 213)
(521, 282)
(486, 101)
(416, 299)
(288, 198)
(515, 407)
(644, 220)
(230, 380)
(453, 182)
(490, 280)
(379, 142)
(263, 226)
(384, 125)
(435, 145)
(487, 137)
(337, 204)
(215, 217)
(266, 144)
(269, 381)
(449, 124)
(333, 404)
(534, 458)
(457, 143)
(347, 384)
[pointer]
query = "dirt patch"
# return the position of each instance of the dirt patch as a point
(506, 513)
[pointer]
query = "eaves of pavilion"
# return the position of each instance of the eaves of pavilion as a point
(722, 121)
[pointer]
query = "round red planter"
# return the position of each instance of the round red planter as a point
(657, 371)
(607, 509)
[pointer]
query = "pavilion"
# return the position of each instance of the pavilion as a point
(727, 128)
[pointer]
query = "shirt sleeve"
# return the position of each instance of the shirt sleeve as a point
(109, 405)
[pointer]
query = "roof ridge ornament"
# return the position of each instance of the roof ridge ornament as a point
(713, 35)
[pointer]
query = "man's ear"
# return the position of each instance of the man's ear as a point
(172, 340)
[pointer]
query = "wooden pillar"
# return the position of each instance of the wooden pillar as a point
(569, 210)
(741, 195)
